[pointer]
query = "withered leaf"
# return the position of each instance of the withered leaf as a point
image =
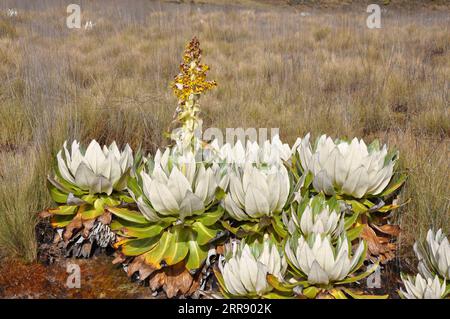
(174, 280)
(87, 226)
(178, 280)
(157, 280)
(119, 258)
(44, 214)
(145, 271)
(135, 265)
(393, 230)
(105, 219)
(379, 247)
(74, 225)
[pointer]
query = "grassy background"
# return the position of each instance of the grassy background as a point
(322, 73)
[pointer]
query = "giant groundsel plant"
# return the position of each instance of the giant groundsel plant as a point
(243, 270)
(84, 183)
(255, 199)
(434, 265)
(179, 209)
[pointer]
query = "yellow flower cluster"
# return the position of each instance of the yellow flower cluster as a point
(191, 80)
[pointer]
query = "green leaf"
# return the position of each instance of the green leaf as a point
(133, 186)
(204, 234)
(228, 227)
(388, 208)
(219, 278)
(178, 247)
(337, 294)
(126, 199)
(278, 227)
(64, 210)
(210, 218)
(90, 199)
(136, 247)
(156, 255)
(274, 295)
(91, 214)
(122, 182)
(311, 292)
(392, 187)
(354, 232)
(57, 195)
(142, 232)
(60, 221)
(220, 194)
(447, 291)
(129, 215)
(308, 180)
(197, 253)
(109, 202)
(357, 207)
(350, 221)
(96, 212)
(355, 278)
(118, 223)
(273, 281)
(355, 295)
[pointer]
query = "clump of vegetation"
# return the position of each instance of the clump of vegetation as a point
(78, 94)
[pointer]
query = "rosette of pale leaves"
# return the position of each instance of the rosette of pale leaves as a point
(317, 215)
(434, 255)
(255, 192)
(97, 170)
(320, 265)
(255, 198)
(178, 203)
(347, 168)
(274, 152)
(244, 268)
(271, 152)
(320, 261)
(422, 288)
(86, 181)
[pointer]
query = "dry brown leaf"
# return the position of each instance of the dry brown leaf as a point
(175, 281)
(74, 225)
(220, 249)
(378, 247)
(106, 218)
(87, 226)
(44, 214)
(119, 258)
(178, 280)
(145, 271)
(57, 238)
(86, 249)
(393, 230)
(157, 280)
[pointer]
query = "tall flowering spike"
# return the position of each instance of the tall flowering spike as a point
(188, 86)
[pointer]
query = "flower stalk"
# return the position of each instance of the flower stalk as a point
(188, 87)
